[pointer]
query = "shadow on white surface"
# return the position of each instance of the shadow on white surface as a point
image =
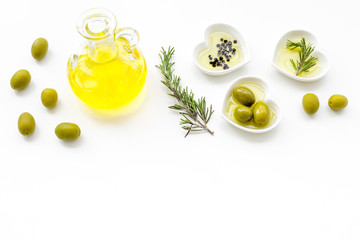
(226, 78)
(73, 144)
(32, 137)
(250, 137)
(29, 89)
(305, 86)
(118, 114)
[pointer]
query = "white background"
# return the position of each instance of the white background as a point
(136, 177)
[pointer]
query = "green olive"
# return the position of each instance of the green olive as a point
(26, 124)
(49, 97)
(39, 48)
(67, 131)
(261, 113)
(310, 103)
(20, 79)
(337, 102)
(242, 114)
(244, 96)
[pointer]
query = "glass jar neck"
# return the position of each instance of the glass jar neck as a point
(102, 50)
(98, 26)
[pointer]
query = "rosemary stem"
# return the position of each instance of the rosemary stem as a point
(192, 115)
(195, 114)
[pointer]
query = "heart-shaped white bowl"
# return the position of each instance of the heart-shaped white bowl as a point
(272, 104)
(204, 45)
(309, 38)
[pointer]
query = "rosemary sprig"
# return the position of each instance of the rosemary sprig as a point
(305, 61)
(195, 114)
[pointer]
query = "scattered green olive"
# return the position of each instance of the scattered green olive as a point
(49, 97)
(244, 96)
(26, 123)
(261, 113)
(310, 103)
(39, 48)
(20, 79)
(337, 102)
(243, 114)
(67, 131)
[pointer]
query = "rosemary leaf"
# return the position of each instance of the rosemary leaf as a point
(195, 114)
(305, 61)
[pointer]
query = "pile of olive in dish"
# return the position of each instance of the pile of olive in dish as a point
(249, 111)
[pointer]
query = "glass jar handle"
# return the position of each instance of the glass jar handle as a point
(129, 34)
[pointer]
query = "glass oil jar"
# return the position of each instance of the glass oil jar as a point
(109, 71)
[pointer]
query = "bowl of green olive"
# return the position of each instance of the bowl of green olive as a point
(248, 107)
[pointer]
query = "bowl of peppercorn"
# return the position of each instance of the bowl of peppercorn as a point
(223, 50)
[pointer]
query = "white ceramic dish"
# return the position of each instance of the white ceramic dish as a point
(317, 53)
(267, 100)
(231, 30)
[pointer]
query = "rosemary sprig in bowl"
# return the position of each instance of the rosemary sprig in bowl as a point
(195, 114)
(306, 60)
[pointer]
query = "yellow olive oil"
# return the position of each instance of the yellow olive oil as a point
(283, 61)
(108, 80)
(213, 48)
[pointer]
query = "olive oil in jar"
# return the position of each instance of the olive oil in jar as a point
(110, 71)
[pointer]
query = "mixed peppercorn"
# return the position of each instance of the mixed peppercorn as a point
(225, 53)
